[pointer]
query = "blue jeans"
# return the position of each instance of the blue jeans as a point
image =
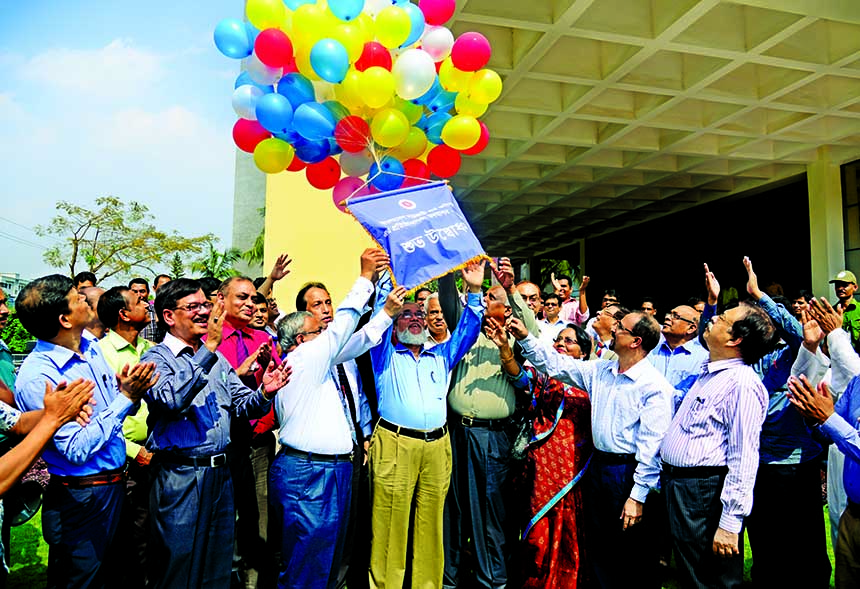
(310, 502)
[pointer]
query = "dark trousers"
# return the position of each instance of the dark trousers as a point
(310, 499)
(79, 526)
(695, 508)
(193, 517)
(478, 506)
(356, 548)
(786, 518)
(620, 558)
(130, 570)
(259, 554)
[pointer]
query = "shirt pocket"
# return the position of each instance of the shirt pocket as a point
(702, 415)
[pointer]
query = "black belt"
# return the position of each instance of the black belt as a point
(427, 436)
(213, 461)
(694, 472)
(612, 458)
(314, 457)
(494, 424)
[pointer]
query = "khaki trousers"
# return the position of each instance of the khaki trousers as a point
(404, 470)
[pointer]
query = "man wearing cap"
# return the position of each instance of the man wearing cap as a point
(845, 284)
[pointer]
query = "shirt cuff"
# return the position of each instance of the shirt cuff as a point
(528, 344)
(132, 449)
(120, 406)
(639, 493)
(836, 428)
(731, 523)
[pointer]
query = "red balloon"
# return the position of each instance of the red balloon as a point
(323, 175)
(291, 67)
(373, 54)
(483, 140)
(437, 12)
(415, 170)
(247, 134)
(296, 165)
(273, 48)
(444, 161)
(471, 52)
(352, 133)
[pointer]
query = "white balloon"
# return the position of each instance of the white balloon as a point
(414, 73)
(374, 7)
(356, 164)
(437, 42)
(260, 72)
(245, 101)
(323, 90)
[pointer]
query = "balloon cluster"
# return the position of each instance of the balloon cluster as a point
(344, 89)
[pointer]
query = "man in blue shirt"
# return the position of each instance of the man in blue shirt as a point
(679, 356)
(83, 500)
(410, 452)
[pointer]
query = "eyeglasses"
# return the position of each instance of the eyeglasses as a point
(550, 304)
(195, 307)
(413, 315)
(314, 332)
(676, 317)
(568, 341)
(722, 317)
(620, 326)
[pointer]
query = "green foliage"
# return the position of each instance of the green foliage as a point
(177, 268)
(549, 266)
(254, 256)
(115, 237)
(217, 264)
(15, 336)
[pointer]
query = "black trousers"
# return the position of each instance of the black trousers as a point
(787, 518)
(620, 558)
(695, 508)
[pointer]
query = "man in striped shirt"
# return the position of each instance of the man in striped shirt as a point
(710, 453)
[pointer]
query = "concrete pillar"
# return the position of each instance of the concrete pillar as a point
(249, 196)
(324, 243)
(826, 234)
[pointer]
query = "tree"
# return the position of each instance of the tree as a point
(113, 238)
(254, 256)
(217, 264)
(177, 268)
(15, 336)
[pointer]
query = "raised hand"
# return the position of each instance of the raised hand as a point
(394, 302)
(473, 275)
(264, 354)
(712, 286)
(135, 381)
(250, 363)
(496, 332)
(373, 261)
(556, 285)
(70, 401)
(584, 284)
(504, 273)
(812, 333)
(517, 328)
(279, 270)
(752, 280)
(215, 327)
(826, 315)
(812, 404)
(275, 378)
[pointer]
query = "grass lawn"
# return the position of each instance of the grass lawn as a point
(29, 556)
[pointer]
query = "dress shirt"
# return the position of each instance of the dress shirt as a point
(785, 437)
(412, 391)
(77, 451)
(309, 408)
(118, 352)
(479, 386)
(232, 338)
(570, 312)
(549, 331)
(630, 411)
(191, 405)
(843, 427)
(718, 424)
(7, 366)
(681, 366)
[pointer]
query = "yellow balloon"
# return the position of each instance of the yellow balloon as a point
(366, 24)
(452, 79)
(392, 26)
(352, 38)
(309, 20)
(273, 155)
(348, 92)
(265, 14)
(485, 86)
(465, 106)
(461, 132)
(412, 111)
(376, 86)
(415, 144)
(389, 127)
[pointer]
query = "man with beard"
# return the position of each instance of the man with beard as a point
(631, 410)
(410, 452)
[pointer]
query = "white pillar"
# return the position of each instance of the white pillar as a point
(826, 233)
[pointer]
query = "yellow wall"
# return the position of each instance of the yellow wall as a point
(324, 243)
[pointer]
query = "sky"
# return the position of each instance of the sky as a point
(129, 99)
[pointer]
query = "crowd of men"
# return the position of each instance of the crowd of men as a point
(203, 437)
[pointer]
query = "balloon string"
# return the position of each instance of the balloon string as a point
(379, 173)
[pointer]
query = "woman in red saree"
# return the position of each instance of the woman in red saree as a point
(557, 451)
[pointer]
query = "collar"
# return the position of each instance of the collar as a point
(400, 348)
(719, 365)
(634, 372)
(851, 304)
(229, 330)
(556, 322)
(61, 355)
(686, 346)
(117, 341)
(175, 345)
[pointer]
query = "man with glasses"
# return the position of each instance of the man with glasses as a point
(551, 324)
(191, 410)
(845, 285)
(631, 410)
(601, 332)
(532, 296)
(679, 356)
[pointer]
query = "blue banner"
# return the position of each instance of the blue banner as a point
(423, 230)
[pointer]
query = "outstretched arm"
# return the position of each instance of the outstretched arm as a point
(279, 271)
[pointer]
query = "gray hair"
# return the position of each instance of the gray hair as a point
(434, 295)
(290, 327)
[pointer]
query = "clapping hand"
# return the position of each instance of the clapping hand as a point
(275, 378)
(135, 381)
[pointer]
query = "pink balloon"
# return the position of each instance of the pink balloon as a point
(471, 52)
(346, 188)
(437, 12)
(273, 48)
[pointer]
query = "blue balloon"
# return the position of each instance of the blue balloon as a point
(330, 60)
(313, 121)
(274, 113)
(390, 172)
(293, 4)
(311, 152)
(290, 136)
(244, 78)
(231, 38)
(435, 123)
(297, 89)
(252, 32)
(428, 96)
(346, 9)
(423, 124)
(333, 147)
(416, 17)
(443, 101)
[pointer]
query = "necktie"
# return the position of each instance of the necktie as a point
(241, 348)
(348, 403)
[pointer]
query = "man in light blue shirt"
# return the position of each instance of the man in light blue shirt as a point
(87, 464)
(410, 451)
(679, 356)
